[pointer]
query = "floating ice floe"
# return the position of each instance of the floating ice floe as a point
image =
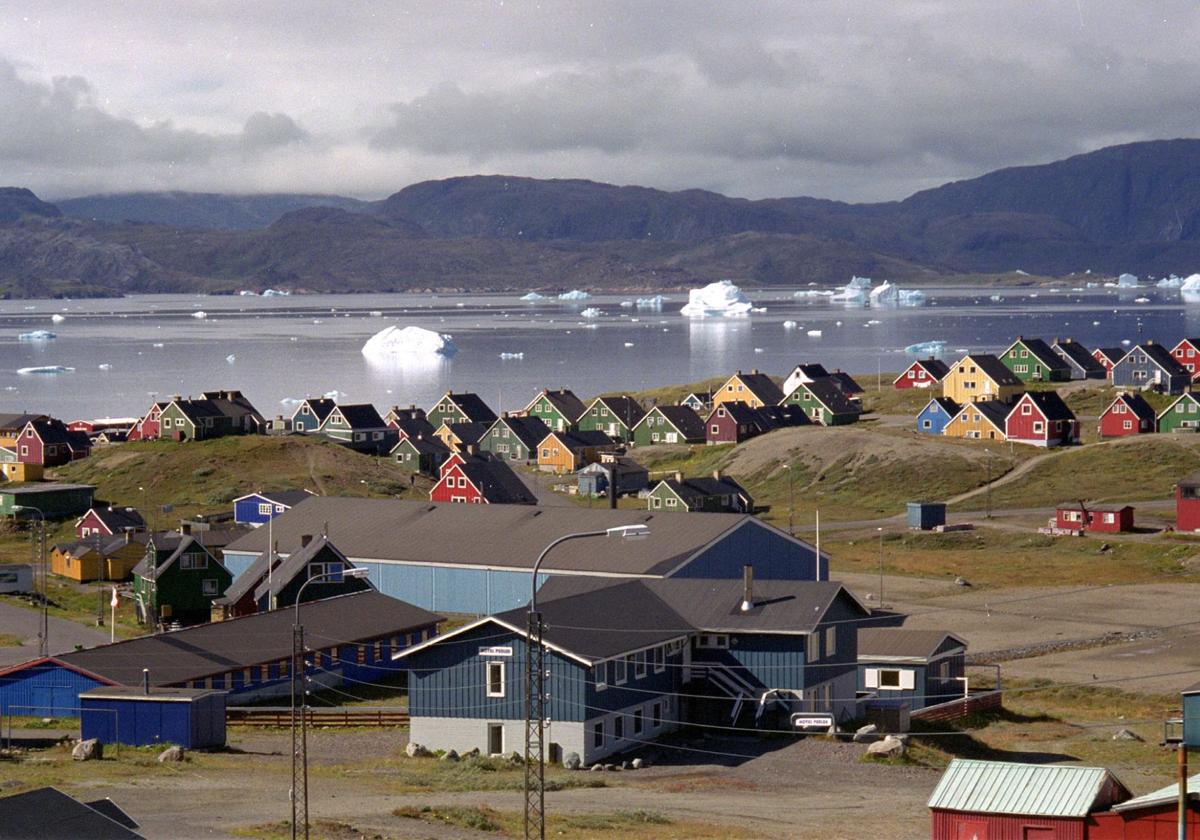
(25, 371)
(759, 350)
(790, 325)
(758, 309)
(1090, 285)
(275, 293)
(405, 342)
(375, 313)
(57, 319)
(934, 347)
(1095, 323)
(814, 333)
(574, 294)
(812, 293)
(1127, 281)
(653, 302)
(1126, 342)
(627, 304)
(1190, 284)
(590, 312)
(532, 296)
(37, 335)
(512, 355)
(200, 314)
(247, 293)
(335, 394)
(885, 292)
(716, 299)
(157, 344)
(231, 358)
(105, 366)
(910, 297)
(873, 323)
(996, 297)
(1141, 300)
(628, 343)
(1172, 282)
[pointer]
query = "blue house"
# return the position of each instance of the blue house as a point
(630, 661)
(918, 667)
(476, 559)
(1151, 366)
(311, 413)
(258, 508)
(939, 411)
(189, 717)
(46, 687)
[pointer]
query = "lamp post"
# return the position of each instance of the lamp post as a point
(791, 500)
(988, 514)
(44, 629)
(880, 530)
(300, 748)
(535, 686)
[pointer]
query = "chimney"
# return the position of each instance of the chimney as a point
(754, 372)
(679, 477)
(145, 681)
(747, 588)
(717, 475)
(305, 539)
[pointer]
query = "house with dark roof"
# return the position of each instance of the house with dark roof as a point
(1083, 363)
(626, 475)
(351, 638)
(615, 416)
(192, 419)
(1150, 366)
(149, 426)
(54, 500)
(477, 558)
(622, 654)
(461, 437)
(1187, 353)
(418, 455)
(1033, 360)
(240, 414)
(396, 416)
(703, 494)
(459, 408)
(936, 415)
(981, 377)
(359, 427)
(514, 437)
(47, 813)
(802, 374)
(559, 409)
(1041, 418)
(823, 402)
(256, 509)
(480, 480)
(1127, 414)
(108, 521)
(49, 443)
(177, 580)
(923, 373)
(734, 422)
(754, 389)
(566, 452)
(311, 413)
(1108, 357)
(669, 424)
(980, 421)
(98, 557)
(918, 667)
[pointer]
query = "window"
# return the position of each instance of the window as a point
(285, 667)
(361, 654)
(495, 740)
(660, 656)
(640, 659)
(619, 727)
(1038, 427)
(812, 647)
(333, 571)
(378, 650)
(912, 374)
(926, 424)
(630, 668)
(637, 721)
(712, 641)
(193, 561)
(889, 679)
(598, 734)
(208, 586)
(495, 679)
(600, 675)
(830, 641)
(656, 717)
(1027, 409)
(619, 665)
(264, 509)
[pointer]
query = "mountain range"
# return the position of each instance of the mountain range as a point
(1132, 208)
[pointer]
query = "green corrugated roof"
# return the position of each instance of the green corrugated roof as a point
(1043, 790)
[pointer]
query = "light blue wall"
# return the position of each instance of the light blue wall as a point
(937, 418)
(237, 563)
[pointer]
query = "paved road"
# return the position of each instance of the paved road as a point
(19, 620)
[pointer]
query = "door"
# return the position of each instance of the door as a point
(495, 738)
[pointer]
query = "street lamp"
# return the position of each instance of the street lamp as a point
(44, 630)
(535, 686)
(300, 751)
(791, 500)
(880, 530)
(988, 452)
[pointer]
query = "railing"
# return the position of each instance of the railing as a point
(960, 707)
(281, 716)
(1173, 730)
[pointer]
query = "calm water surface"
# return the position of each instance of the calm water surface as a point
(288, 347)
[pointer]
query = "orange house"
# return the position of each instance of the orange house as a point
(979, 421)
(566, 452)
(114, 559)
(754, 389)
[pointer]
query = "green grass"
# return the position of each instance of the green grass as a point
(476, 819)
(634, 825)
(417, 775)
(9, 640)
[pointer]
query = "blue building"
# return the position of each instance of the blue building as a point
(939, 411)
(476, 559)
(46, 687)
(189, 717)
(918, 667)
(630, 661)
(311, 413)
(1191, 716)
(1151, 366)
(259, 508)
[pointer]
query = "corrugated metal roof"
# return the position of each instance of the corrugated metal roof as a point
(1001, 787)
(1162, 796)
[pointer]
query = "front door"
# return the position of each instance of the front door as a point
(495, 738)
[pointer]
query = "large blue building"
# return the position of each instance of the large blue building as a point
(477, 559)
(629, 661)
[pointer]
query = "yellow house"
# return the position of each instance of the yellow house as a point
(754, 389)
(83, 561)
(979, 421)
(566, 452)
(980, 377)
(16, 471)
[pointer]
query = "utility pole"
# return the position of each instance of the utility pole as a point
(988, 452)
(299, 791)
(535, 717)
(791, 500)
(1183, 790)
(880, 530)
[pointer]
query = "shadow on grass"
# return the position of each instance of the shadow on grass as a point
(956, 739)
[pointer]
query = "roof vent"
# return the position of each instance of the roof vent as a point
(747, 588)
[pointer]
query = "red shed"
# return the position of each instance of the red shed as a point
(923, 373)
(148, 428)
(1000, 800)
(1187, 504)
(1128, 414)
(1080, 516)
(1041, 418)
(1153, 816)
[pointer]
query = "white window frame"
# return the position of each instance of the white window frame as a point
(812, 647)
(209, 586)
(639, 664)
(494, 674)
(830, 642)
(264, 509)
(620, 677)
(600, 675)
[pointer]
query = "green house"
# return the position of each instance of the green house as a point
(615, 416)
(824, 403)
(1033, 360)
(560, 410)
(1183, 415)
(420, 456)
(177, 581)
(459, 408)
(54, 501)
(669, 424)
(514, 438)
(719, 494)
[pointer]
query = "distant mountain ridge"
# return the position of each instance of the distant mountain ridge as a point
(1134, 208)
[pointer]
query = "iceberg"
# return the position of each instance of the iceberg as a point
(57, 319)
(395, 342)
(157, 344)
(200, 313)
(935, 347)
(627, 304)
(25, 371)
(532, 296)
(590, 312)
(574, 294)
(812, 293)
(1127, 281)
(231, 358)
(720, 298)
(37, 335)
(247, 293)
(1172, 282)
(1191, 284)
(105, 366)
(859, 283)
(790, 325)
(376, 313)
(911, 297)
(275, 293)
(628, 343)
(512, 355)
(655, 302)
(885, 292)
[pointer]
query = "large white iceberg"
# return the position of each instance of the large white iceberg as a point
(1127, 281)
(885, 292)
(532, 296)
(25, 371)
(1172, 282)
(1190, 284)
(394, 342)
(720, 298)
(574, 294)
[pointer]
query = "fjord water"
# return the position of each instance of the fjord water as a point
(283, 348)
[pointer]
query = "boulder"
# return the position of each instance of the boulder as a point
(1126, 735)
(889, 747)
(961, 581)
(471, 753)
(88, 750)
(866, 734)
(572, 761)
(597, 768)
(637, 764)
(171, 753)
(449, 755)
(610, 767)
(415, 750)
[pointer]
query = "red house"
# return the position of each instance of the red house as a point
(1187, 504)
(477, 480)
(109, 521)
(1041, 418)
(733, 422)
(1152, 816)
(49, 443)
(149, 427)
(1109, 356)
(1187, 353)
(923, 373)
(1080, 516)
(1128, 414)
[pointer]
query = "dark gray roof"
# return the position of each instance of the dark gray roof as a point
(994, 368)
(1137, 404)
(476, 409)
(295, 563)
(529, 430)
(898, 641)
(52, 431)
(995, 411)
(625, 408)
(831, 396)
(362, 416)
(564, 401)
(414, 427)
(196, 652)
(42, 487)
(1051, 405)
(779, 606)
(783, 416)
(1162, 357)
(704, 487)
(583, 439)
(423, 445)
(845, 382)
(1077, 354)
(117, 519)
(683, 418)
(497, 482)
(469, 433)
(934, 367)
(17, 422)
(504, 536)
(1043, 352)
(948, 405)
(1113, 354)
(741, 413)
(320, 407)
(761, 386)
(812, 370)
(196, 410)
(49, 814)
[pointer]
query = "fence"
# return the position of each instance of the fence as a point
(281, 716)
(960, 708)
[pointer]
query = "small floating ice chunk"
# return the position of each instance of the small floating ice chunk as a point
(37, 335)
(590, 312)
(1141, 300)
(104, 366)
(247, 293)
(653, 302)
(58, 319)
(275, 293)
(1126, 341)
(627, 304)
(231, 358)
(512, 355)
(1127, 281)
(790, 325)
(758, 309)
(759, 350)
(996, 298)
(934, 347)
(814, 333)
(375, 313)
(200, 314)
(392, 342)
(574, 294)
(25, 371)
(716, 299)
(628, 343)
(532, 296)
(157, 344)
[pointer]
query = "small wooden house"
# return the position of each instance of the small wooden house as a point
(360, 428)
(49, 443)
(1041, 418)
(754, 389)
(918, 667)
(177, 580)
(1187, 353)
(396, 416)
(462, 437)
(923, 373)
(1083, 363)
(1127, 414)
(979, 378)
(733, 422)
(311, 413)
(802, 374)
(937, 413)
(718, 494)
(979, 421)
(1187, 504)
(628, 476)
(615, 416)
(420, 456)
(1108, 357)
(559, 409)
(1033, 360)
(1182, 415)
(259, 508)
(470, 479)
(567, 452)
(1151, 366)
(97, 557)
(109, 521)
(669, 424)
(514, 437)
(1083, 517)
(459, 408)
(12, 469)
(824, 403)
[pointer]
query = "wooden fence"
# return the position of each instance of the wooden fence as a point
(281, 716)
(956, 709)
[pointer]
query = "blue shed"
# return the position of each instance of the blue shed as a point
(919, 667)
(259, 508)
(46, 687)
(925, 516)
(1191, 716)
(939, 411)
(190, 717)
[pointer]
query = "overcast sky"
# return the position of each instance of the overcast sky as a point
(853, 100)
